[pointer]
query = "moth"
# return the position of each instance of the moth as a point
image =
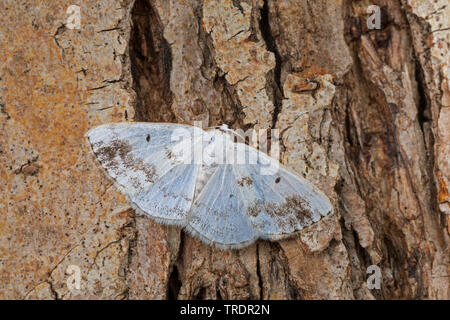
(226, 193)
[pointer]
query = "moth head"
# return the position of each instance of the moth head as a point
(223, 127)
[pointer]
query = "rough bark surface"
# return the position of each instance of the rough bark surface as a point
(363, 114)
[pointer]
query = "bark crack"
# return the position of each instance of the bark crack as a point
(258, 273)
(266, 33)
(150, 64)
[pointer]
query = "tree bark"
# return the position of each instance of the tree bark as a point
(362, 113)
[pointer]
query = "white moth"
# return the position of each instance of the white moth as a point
(225, 193)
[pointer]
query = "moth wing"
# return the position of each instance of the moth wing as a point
(280, 203)
(239, 204)
(218, 214)
(170, 198)
(150, 163)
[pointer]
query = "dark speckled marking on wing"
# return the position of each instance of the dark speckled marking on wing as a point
(107, 155)
(293, 206)
(142, 159)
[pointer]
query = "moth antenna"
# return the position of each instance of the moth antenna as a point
(224, 127)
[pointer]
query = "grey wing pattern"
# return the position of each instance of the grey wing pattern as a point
(143, 158)
(239, 205)
(217, 216)
(281, 203)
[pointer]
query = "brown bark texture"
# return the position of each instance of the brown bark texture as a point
(363, 114)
